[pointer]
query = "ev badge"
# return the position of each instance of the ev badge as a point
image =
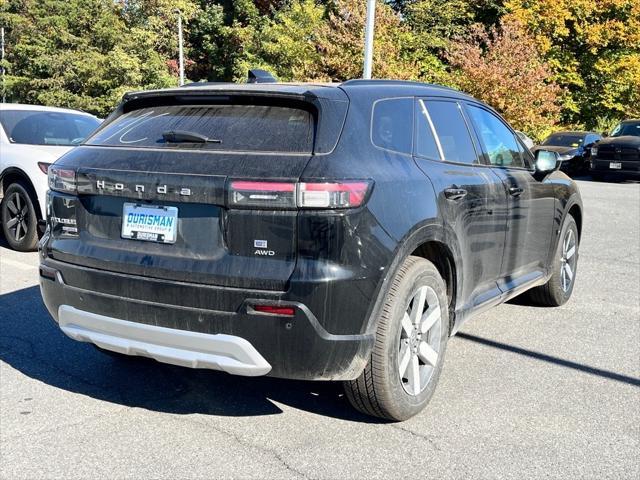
(262, 244)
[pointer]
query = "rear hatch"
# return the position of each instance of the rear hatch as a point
(173, 187)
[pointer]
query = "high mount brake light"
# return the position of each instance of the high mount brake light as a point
(62, 179)
(290, 195)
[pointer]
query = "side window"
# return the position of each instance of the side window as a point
(451, 131)
(499, 143)
(426, 143)
(392, 124)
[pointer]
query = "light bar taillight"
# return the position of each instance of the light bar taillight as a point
(290, 195)
(62, 179)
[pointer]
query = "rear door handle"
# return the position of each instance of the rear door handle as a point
(515, 191)
(455, 193)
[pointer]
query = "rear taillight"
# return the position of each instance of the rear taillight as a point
(62, 179)
(290, 195)
(262, 194)
(332, 195)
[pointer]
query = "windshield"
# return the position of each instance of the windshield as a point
(264, 128)
(564, 140)
(33, 127)
(623, 129)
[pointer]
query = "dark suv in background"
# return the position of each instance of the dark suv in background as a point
(320, 232)
(619, 153)
(573, 147)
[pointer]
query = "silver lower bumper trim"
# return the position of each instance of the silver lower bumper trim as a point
(228, 353)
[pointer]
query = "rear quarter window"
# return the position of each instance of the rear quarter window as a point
(392, 124)
(252, 128)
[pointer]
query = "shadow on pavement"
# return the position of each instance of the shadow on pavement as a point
(607, 178)
(31, 343)
(549, 358)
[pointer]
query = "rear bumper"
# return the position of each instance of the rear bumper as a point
(179, 347)
(198, 326)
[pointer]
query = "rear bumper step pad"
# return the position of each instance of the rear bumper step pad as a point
(228, 353)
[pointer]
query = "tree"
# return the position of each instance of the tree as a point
(593, 48)
(501, 66)
(82, 54)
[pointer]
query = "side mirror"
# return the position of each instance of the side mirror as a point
(547, 161)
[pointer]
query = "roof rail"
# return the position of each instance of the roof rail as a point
(363, 81)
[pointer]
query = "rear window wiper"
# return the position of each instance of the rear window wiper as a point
(183, 136)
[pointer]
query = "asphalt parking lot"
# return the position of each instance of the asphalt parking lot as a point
(526, 392)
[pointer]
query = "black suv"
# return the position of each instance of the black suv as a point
(320, 232)
(618, 153)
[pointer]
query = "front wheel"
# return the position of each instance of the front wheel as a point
(19, 219)
(559, 288)
(411, 339)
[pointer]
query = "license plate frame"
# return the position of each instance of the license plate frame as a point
(615, 165)
(149, 223)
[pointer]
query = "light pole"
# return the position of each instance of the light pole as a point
(368, 38)
(180, 48)
(2, 59)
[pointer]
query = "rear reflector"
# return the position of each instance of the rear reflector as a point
(289, 195)
(275, 310)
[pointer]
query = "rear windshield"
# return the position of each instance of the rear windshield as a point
(253, 128)
(35, 127)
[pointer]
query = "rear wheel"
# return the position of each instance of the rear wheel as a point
(19, 219)
(411, 339)
(558, 289)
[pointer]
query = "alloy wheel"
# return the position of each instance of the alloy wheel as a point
(419, 346)
(568, 260)
(18, 211)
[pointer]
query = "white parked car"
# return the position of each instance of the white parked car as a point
(32, 138)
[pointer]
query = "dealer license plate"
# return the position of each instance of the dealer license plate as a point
(615, 165)
(149, 222)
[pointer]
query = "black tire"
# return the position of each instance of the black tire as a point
(381, 390)
(598, 177)
(554, 293)
(19, 218)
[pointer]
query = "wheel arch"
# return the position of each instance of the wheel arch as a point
(576, 212)
(431, 242)
(13, 175)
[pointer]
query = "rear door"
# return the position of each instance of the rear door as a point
(471, 198)
(531, 201)
(193, 192)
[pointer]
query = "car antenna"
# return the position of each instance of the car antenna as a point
(257, 75)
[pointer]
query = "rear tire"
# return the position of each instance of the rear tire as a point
(19, 218)
(559, 288)
(411, 340)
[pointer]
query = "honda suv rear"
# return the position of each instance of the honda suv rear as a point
(321, 232)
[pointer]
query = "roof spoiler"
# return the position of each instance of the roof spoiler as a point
(257, 75)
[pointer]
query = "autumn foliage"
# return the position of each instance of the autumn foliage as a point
(541, 63)
(502, 66)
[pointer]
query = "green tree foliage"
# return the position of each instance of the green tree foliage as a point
(81, 54)
(593, 47)
(87, 53)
